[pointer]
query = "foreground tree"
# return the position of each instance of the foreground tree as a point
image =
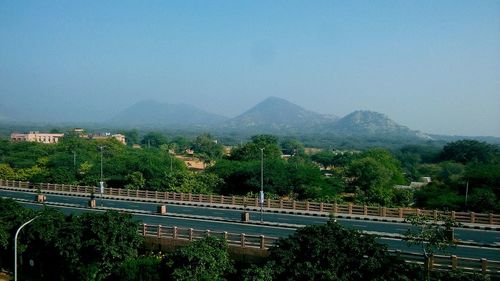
(206, 259)
(85, 247)
(329, 252)
(431, 235)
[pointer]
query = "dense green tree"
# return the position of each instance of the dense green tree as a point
(153, 139)
(483, 175)
(131, 137)
(373, 175)
(466, 151)
(6, 172)
(85, 247)
(180, 144)
(12, 215)
(206, 259)
(425, 153)
(483, 200)
(330, 252)
(144, 268)
(207, 147)
(135, 180)
(325, 158)
(438, 196)
(252, 150)
(292, 147)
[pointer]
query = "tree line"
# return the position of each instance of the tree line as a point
(465, 174)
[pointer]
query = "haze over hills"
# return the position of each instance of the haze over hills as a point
(154, 114)
(273, 115)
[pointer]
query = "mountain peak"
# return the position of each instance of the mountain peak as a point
(365, 122)
(153, 113)
(277, 113)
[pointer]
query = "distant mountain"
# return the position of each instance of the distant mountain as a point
(278, 114)
(154, 114)
(372, 123)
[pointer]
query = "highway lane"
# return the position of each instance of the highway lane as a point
(467, 235)
(273, 231)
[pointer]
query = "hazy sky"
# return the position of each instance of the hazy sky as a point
(430, 65)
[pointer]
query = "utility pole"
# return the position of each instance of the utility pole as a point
(466, 193)
(101, 183)
(261, 183)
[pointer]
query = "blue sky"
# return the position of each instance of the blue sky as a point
(429, 65)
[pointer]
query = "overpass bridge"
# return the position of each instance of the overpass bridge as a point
(477, 240)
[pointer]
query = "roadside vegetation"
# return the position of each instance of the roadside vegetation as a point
(465, 174)
(107, 247)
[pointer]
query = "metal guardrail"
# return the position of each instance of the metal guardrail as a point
(350, 209)
(435, 262)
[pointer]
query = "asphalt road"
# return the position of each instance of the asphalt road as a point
(228, 220)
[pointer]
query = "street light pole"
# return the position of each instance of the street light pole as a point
(261, 182)
(101, 183)
(15, 245)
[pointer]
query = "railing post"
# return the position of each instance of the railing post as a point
(365, 210)
(349, 208)
(262, 242)
(143, 229)
(335, 208)
(400, 213)
(321, 206)
(293, 205)
(256, 202)
(211, 199)
(268, 203)
(190, 234)
(242, 240)
(233, 200)
(491, 218)
(159, 231)
(281, 203)
(417, 211)
(453, 215)
(435, 214)
(222, 199)
(453, 262)
(225, 235)
(307, 205)
(431, 262)
(208, 233)
(384, 211)
(484, 265)
(472, 217)
(190, 197)
(181, 197)
(174, 233)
